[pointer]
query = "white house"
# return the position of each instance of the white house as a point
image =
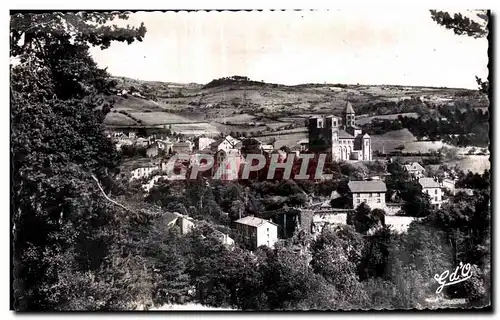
(370, 192)
(448, 184)
(201, 143)
(257, 232)
(229, 143)
(433, 189)
(415, 170)
(139, 169)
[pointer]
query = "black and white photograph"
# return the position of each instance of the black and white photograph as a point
(250, 160)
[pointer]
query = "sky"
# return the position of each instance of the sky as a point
(293, 47)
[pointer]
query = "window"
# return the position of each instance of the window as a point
(320, 123)
(267, 229)
(268, 242)
(436, 191)
(335, 123)
(436, 198)
(371, 195)
(358, 201)
(378, 200)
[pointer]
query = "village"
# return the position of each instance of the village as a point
(337, 137)
(250, 160)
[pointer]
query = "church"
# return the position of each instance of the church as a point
(340, 138)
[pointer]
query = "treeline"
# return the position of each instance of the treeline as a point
(469, 127)
(391, 107)
(343, 268)
(232, 81)
(461, 128)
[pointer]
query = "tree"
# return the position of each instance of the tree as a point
(336, 255)
(65, 229)
(363, 219)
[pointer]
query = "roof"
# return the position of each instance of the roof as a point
(232, 141)
(135, 164)
(306, 140)
(414, 166)
(182, 144)
(333, 117)
(345, 135)
(253, 221)
(267, 147)
(367, 186)
(348, 108)
(428, 183)
(366, 135)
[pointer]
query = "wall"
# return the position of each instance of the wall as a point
(435, 194)
(371, 199)
(267, 238)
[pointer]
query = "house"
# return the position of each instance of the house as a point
(449, 185)
(122, 141)
(182, 147)
(370, 192)
(228, 143)
(304, 144)
(152, 150)
(296, 150)
(433, 189)
(201, 143)
(224, 238)
(142, 142)
(148, 186)
(415, 170)
(165, 145)
(227, 164)
(267, 148)
(139, 168)
(183, 222)
(257, 232)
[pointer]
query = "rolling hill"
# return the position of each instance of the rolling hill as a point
(237, 103)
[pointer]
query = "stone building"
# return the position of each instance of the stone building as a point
(340, 138)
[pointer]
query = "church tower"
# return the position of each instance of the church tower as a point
(348, 115)
(366, 148)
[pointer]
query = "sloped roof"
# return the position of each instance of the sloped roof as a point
(414, 166)
(253, 221)
(348, 108)
(367, 186)
(345, 135)
(428, 183)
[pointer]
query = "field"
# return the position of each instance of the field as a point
(156, 118)
(288, 140)
(116, 118)
(365, 120)
(237, 118)
(243, 102)
(195, 129)
(387, 142)
(475, 164)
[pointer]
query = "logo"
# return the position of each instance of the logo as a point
(447, 279)
(235, 166)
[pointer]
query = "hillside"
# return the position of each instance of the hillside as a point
(238, 104)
